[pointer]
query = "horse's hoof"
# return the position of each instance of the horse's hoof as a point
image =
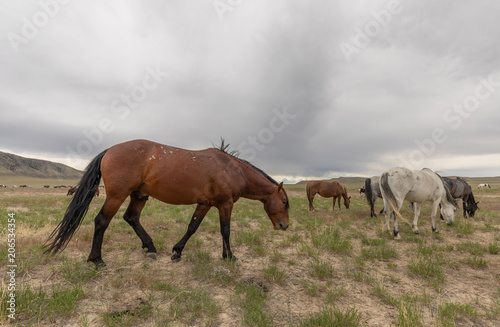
(176, 257)
(100, 265)
(151, 255)
(397, 237)
(435, 231)
(416, 231)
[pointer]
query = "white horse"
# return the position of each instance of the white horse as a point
(484, 185)
(416, 186)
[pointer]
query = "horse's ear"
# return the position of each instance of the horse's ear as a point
(349, 198)
(478, 202)
(280, 187)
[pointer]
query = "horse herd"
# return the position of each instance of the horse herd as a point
(217, 178)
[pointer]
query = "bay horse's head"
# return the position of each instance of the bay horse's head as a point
(345, 195)
(276, 206)
(347, 201)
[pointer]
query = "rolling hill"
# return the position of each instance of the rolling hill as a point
(13, 165)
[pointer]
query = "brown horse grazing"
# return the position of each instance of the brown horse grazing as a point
(141, 168)
(327, 190)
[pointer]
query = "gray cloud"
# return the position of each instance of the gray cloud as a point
(229, 78)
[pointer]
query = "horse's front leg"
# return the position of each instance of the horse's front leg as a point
(464, 206)
(225, 229)
(435, 207)
(196, 219)
(416, 211)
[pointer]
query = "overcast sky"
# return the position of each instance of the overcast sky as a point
(312, 89)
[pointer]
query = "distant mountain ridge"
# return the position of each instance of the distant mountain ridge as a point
(13, 165)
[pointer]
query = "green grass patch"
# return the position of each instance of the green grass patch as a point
(321, 270)
(331, 240)
(274, 274)
(429, 269)
(194, 307)
(333, 317)
(449, 313)
(493, 248)
(252, 300)
(410, 315)
(473, 248)
(476, 262)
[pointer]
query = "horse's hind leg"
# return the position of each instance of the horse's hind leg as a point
(416, 210)
(311, 199)
(101, 221)
(434, 209)
(196, 219)
(132, 216)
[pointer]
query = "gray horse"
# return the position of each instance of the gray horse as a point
(372, 193)
(417, 186)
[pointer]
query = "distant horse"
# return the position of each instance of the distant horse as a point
(361, 190)
(372, 193)
(72, 191)
(327, 190)
(483, 185)
(140, 168)
(459, 189)
(46, 186)
(417, 186)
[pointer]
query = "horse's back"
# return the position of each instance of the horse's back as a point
(414, 185)
(168, 173)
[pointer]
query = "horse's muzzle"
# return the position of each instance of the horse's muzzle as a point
(282, 225)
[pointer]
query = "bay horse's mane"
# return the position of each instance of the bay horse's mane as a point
(235, 154)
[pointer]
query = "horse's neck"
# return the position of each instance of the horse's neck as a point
(258, 187)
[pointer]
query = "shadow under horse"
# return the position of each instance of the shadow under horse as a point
(333, 190)
(140, 168)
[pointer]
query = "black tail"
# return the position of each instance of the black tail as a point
(368, 192)
(78, 207)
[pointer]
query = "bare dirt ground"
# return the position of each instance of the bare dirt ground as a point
(375, 287)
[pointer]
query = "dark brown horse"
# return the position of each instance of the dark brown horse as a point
(459, 189)
(141, 168)
(327, 190)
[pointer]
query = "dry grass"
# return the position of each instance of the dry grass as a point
(325, 269)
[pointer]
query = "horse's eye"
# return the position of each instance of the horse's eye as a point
(284, 202)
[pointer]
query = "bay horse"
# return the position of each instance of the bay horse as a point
(141, 168)
(372, 193)
(327, 190)
(459, 189)
(417, 186)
